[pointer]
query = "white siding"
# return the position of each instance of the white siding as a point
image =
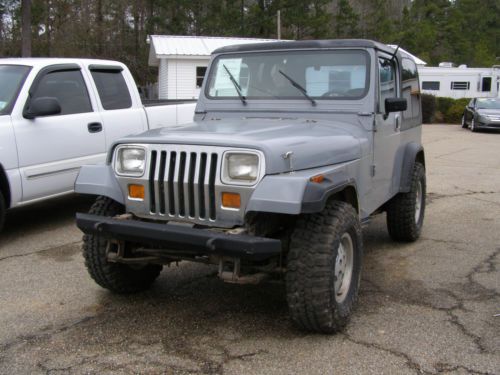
(181, 78)
(163, 80)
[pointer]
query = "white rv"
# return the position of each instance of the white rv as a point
(460, 82)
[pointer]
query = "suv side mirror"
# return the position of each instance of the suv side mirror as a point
(43, 106)
(395, 105)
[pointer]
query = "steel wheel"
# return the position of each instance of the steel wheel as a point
(343, 267)
(418, 202)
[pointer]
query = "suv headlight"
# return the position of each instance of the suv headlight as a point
(240, 168)
(130, 161)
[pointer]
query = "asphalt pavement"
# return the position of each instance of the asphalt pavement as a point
(426, 307)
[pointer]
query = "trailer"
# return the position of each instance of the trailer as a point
(449, 81)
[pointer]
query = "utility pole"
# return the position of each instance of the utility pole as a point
(278, 23)
(26, 28)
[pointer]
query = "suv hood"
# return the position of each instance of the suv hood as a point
(314, 143)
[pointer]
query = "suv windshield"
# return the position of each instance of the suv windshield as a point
(11, 78)
(331, 74)
(488, 104)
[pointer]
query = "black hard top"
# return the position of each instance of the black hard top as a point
(305, 44)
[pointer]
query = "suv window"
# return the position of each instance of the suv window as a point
(387, 81)
(112, 89)
(69, 88)
(410, 90)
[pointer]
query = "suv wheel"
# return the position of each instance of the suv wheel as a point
(117, 277)
(324, 268)
(3, 209)
(464, 124)
(405, 212)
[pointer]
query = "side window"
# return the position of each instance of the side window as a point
(410, 89)
(69, 88)
(200, 74)
(486, 84)
(387, 81)
(112, 88)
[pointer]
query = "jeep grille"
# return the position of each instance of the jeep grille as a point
(182, 183)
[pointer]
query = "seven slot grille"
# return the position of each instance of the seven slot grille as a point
(182, 183)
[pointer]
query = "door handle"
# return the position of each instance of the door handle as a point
(94, 127)
(398, 125)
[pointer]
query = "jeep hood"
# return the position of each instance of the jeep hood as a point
(313, 143)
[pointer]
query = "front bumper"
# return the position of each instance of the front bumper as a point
(487, 124)
(192, 241)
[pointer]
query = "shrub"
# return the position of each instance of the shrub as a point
(428, 108)
(454, 113)
(443, 104)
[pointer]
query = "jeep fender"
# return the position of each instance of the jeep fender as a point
(99, 180)
(294, 193)
(413, 152)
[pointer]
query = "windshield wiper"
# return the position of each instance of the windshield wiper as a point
(236, 85)
(298, 87)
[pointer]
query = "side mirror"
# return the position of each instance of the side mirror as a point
(395, 105)
(44, 106)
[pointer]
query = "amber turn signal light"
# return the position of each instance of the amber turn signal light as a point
(231, 200)
(136, 191)
(318, 179)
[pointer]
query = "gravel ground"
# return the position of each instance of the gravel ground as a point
(426, 307)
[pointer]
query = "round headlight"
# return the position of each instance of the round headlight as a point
(241, 167)
(130, 161)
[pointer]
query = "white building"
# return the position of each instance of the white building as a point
(182, 62)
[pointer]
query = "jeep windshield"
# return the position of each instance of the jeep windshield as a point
(302, 75)
(11, 79)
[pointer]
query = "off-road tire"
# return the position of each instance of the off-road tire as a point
(402, 223)
(3, 209)
(310, 272)
(117, 277)
(464, 124)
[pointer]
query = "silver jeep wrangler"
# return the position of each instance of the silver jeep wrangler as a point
(293, 147)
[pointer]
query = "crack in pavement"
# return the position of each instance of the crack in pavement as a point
(442, 367)
(41, 250)
(458, 301)
(409, 362)
(431, 197)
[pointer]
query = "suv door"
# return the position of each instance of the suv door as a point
(53, 148)
(387, 136)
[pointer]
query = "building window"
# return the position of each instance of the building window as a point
(460, 85)
(430, 85)
(486, 84)
(200, 73)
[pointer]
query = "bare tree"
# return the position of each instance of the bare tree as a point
(26, 28)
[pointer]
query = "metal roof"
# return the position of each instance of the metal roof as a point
(176, 46)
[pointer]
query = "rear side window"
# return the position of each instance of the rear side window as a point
(112, 88)
(69, 88)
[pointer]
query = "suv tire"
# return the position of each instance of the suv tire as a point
(405, 212)
(324, 268)
(117, 277)
(3, 209)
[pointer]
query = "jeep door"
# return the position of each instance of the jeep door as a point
(387, 134)
(52, 148)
